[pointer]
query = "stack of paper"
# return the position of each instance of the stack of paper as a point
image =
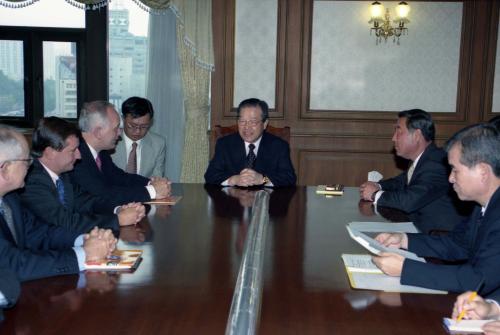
(363, 274)
(465, 326)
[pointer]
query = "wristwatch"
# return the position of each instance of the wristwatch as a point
(265, 180)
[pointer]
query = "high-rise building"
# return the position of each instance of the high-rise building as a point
(66, 97)
(11, 59)
(127, 58)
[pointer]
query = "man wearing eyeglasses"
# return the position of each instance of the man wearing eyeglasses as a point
(140, 151)
(29, 247)
(251, 157)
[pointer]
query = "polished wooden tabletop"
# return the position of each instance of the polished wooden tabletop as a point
(192, 253)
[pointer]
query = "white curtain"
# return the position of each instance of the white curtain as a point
(164, 89)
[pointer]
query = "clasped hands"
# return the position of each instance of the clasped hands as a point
(98, 244)
(131, 213)
(162, 186)
(247, 177)
(390, 263)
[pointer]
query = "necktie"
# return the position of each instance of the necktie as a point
(7, 215)
(98, 162)
(132, 159)
(60, 191)
(409, 174)
(251, 156)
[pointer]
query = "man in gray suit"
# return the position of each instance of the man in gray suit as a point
(140, 151)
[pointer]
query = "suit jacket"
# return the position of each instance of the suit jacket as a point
(82, 211)
(429, 198)
(273, 160)
(474, 243)
(41, 250)
(9, 286)
(111, 183)
(153, 153)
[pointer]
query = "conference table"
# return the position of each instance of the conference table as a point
(191, 257)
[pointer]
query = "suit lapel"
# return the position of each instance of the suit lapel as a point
(18, 222)
(239, 155)
(146, 155)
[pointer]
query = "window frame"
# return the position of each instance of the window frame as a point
(33, 38)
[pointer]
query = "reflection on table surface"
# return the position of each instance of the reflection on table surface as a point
(191, 258)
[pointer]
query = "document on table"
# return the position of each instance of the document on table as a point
(467, 326)
(360, 263)
(386, 283)
(376, 247)
(384, 227)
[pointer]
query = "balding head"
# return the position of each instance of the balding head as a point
(100, 125)
(14, 160)
(13, 145)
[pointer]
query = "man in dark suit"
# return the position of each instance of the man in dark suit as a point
(50, 194)
(423, 191)
(29, 247)
(96, 173)
(251, 157)
(9, 289)
(474, 245)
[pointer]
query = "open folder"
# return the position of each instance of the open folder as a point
(376, 247)
(363, 274)
(171, 200)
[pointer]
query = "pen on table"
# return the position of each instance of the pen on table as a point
(469, 300)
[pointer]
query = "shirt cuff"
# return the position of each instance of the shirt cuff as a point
(78, 241)
(151, 191)
(80, 256)
(225, 182)
(377, 196)
(3, 300)
(117, 210)
(494, 302)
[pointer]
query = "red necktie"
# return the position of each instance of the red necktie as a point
(132, 159)
(98, 162)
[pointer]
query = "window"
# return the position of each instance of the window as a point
(40, 66)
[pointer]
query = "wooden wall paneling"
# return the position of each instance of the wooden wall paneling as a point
(490, 61)
(351, 167)
(320, 140)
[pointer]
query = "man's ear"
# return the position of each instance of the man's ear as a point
(266, 123)
(97, 132)
(485, 171)
(4, 171)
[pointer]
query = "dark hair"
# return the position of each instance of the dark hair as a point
(495, 122)
(137, 107)
(52, 132)
(254, 102)
(419, 119)
(479, 143)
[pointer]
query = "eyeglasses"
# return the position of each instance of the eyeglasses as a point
(140, 128)
(28, 161)
(252, 123)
